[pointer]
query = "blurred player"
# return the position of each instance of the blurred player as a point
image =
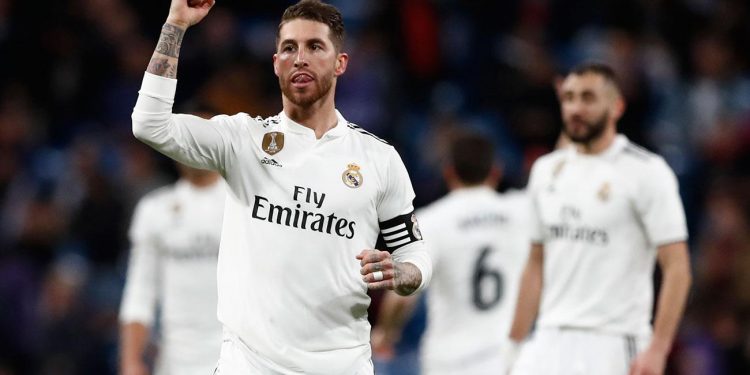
(309, 193)
(605, 210)
(478, 243)
(175, 243)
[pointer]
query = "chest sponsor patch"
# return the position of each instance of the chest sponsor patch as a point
(273, 142)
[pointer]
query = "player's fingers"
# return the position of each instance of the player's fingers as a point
(380, 285)
(364, 253)
(373, 256)
(386, 264)
(377, 277)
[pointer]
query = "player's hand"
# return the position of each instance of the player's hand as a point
(186, 13)
(380, 271)
(649, 362)
(133, 368)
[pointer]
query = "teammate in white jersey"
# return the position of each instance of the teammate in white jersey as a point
(479, 244)
(309, 193)
(605, 210)
(175, 244)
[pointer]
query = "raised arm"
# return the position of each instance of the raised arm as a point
(190, 140)
(181, 16)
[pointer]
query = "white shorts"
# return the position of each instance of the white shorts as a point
(486, 362)
(577, 352)
(236, 358)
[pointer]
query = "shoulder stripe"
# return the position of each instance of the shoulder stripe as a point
(639, 152)
(363, 131)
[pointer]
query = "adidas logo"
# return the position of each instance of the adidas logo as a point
(268, 161)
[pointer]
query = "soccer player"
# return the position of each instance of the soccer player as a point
(480, 244)
(308, 195)
(605, 210)
(175, 244)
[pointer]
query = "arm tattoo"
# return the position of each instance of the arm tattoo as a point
(160, 66)
(170, 40)
(407, 278)
(164, 60)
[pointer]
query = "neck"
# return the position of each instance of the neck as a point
(600, 144)
(202, 180)
(320, 116)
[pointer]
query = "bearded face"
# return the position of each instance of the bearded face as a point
(304, 87)
(307, 63)
(581, 130)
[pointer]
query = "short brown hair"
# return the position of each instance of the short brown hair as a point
(315, 10)
(472, 156)
(601, 69)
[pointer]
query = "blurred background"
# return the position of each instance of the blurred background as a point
(71, 171)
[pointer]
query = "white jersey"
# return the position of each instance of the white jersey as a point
(175, 244)
(601, 219)
(479, 243)
(299, 210)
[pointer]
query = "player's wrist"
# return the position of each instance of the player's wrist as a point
(177, 22)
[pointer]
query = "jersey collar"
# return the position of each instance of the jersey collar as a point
(297, 128)
(619, 144)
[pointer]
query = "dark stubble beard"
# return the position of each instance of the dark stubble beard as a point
(594, 130)
(321, 88)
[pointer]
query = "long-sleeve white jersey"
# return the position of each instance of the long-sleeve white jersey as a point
(299, 210)
(479, 243)
(175, 235)
(601, 218)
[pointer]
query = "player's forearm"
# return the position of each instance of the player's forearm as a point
(394, 312)
(409, 278)
(529, 295)
(675, 285)
(133, 340)
(165, 58)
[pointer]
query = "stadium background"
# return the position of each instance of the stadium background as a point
(70, 170)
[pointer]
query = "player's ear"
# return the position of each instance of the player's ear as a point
(618, 108)
(275, 64)
(341, 62)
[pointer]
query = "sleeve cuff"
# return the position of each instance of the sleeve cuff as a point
(158, 86)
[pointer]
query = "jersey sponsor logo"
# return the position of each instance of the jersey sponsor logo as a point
(352, 177)
(297, 217)
(571, 229)
(268, 161)
(603, 193)
(273, 142)
(593, 236)
(199, 247)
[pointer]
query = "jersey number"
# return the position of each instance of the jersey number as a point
(486, 280)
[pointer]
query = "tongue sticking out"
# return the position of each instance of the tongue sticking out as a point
(302, 78)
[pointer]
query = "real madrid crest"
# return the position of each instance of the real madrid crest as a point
(603, 192)
(273, 142)
(415, 227)
(351, 176)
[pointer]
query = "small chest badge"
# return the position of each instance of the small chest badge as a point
(351, 176)
(415, 227)
(273, 142)
(604, 192)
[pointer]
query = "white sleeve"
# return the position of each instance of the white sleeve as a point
(398, 224)
(188, 139)
(536, 227)
(141, 283)
(659, 205)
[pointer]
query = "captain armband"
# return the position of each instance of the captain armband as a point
(400, 231)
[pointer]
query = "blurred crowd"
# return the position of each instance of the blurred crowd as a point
(71, 171)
